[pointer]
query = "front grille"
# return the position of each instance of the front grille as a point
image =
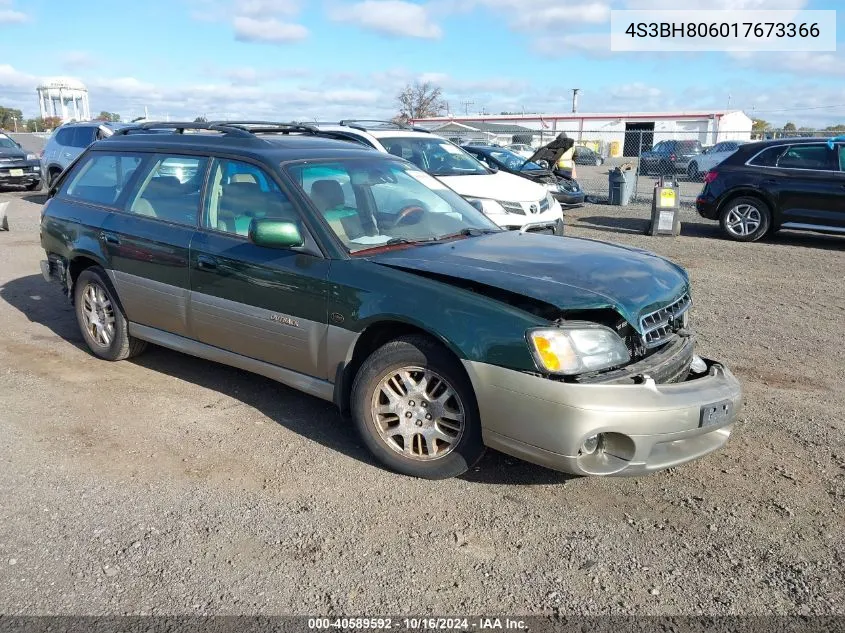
(513, 207)
(658, 326)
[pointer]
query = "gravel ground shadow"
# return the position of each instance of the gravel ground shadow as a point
(43, 303)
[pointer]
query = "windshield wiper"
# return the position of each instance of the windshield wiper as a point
(468, 232)
(393, 241)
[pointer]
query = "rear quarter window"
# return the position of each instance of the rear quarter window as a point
(768, 157)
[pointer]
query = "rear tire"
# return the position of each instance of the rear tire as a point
(745, 219)
(101, 319)
(416, 411)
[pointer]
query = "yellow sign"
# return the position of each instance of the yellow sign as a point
(667, 198)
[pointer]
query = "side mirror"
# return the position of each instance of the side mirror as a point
(493, 168)
(275, 234)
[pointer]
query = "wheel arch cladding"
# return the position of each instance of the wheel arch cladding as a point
(76, 264)
(373, 336)
(746, 192)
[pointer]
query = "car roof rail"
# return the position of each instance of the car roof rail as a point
(240, 129)
(262, 127)
(379, 124)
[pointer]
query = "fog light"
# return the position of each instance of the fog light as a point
(698, 366)
(590, 445)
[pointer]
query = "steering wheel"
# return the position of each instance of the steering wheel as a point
(412, 210)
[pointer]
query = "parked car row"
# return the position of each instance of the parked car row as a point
(360, 277)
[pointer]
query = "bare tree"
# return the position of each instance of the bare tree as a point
(419, 101)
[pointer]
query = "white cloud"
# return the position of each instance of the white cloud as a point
(259, 8)
(389, 17)
(637, 92)
(802, 63)
(547, 18)
(271, 30)
(716, 5)
(591, 44)
(9, 16)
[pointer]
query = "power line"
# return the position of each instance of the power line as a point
(824, 107)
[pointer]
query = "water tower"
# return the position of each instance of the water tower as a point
(65, 98)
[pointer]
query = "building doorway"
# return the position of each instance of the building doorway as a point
(639, 137)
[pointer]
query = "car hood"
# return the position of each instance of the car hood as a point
(568, 273)
(9, 152)
(498, 186)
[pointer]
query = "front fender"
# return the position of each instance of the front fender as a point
(473, 326)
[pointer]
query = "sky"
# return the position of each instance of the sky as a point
(331, 59)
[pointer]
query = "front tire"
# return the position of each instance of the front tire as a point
(35, 186)
(101, 319)
(416, 411)
(745, 219)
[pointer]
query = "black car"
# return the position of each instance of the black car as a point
(586, 156)
(770, 185)
(668, 158)
(17, 167)
(565, 190)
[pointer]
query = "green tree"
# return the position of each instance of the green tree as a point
(9, 117)
(200, 119)
(52, 122)
(108, 116)
(835, 128)
(789, 129)
(759, 127)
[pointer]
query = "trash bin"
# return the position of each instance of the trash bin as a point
(620, 183)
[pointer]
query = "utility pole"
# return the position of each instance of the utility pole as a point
(466, 105)
(575, 92)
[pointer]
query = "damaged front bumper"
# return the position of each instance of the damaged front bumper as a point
(631, 424)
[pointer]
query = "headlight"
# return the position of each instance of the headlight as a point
(31, 157)
(487, 206)
(577, 348)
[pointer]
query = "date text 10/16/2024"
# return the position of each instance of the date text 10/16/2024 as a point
(417, 624)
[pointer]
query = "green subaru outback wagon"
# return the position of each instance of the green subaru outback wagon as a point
(355, 277)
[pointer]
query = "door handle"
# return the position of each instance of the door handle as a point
(109, 238)
(206, 263)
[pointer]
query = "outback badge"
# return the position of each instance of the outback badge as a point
(278, 318)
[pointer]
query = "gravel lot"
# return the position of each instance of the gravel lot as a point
(173, 485)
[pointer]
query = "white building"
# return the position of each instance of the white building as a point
(623, 134)
(65, 98)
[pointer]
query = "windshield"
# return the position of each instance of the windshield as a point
(377, 201)
(434, 155)
(5, 141)
(512, 160)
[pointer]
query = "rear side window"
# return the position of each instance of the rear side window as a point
(689, 146)
(170, 188)
(806, 157)
(83, 136)
(64, 136)
(768, 157)
(101, 178)
(840, 150)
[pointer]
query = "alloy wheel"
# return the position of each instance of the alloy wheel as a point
(418, 413)
(98, 314)
(743, 220)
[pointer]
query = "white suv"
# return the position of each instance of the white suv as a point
(510, 201)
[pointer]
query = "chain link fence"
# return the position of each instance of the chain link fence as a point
(643, 155)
